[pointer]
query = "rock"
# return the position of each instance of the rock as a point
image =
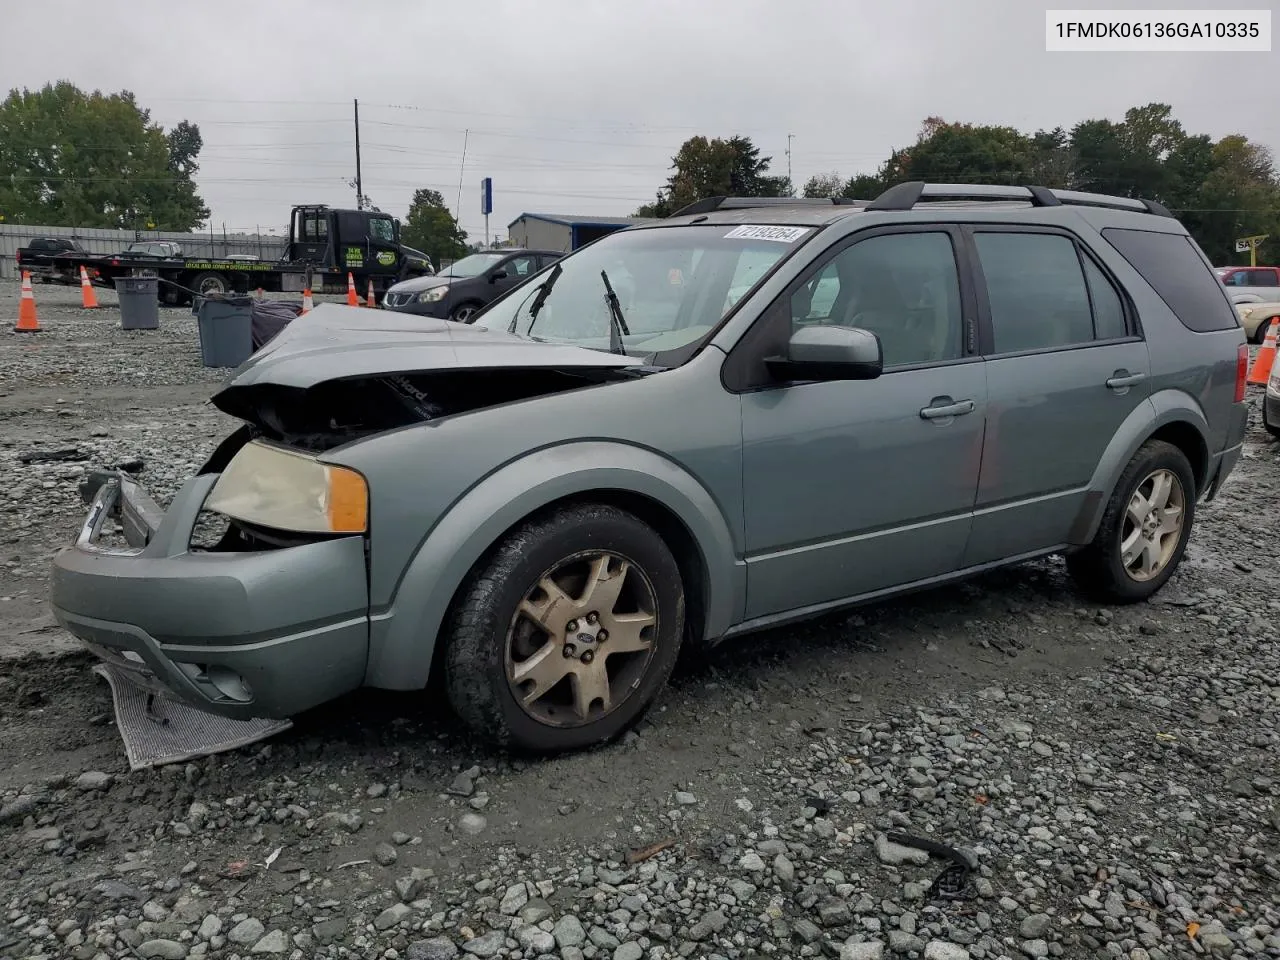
(1035, 948)
(515, 897)
(685, 799)
(407, 888)
(568, 932)
(807, 930)
(902, 942)
(784, 869)
(437, 948)
(93, 780)
(273, 942)
(895, 855)
(1035, 926)
(210, 927)
(472, 823)
(833, 913)
(487, 945)
(535, 911)
(711, 923)
(392, 916)
(246, 932)
(385, 854)
(162, 950)
(943, 950)
(327, 931)
(534, 941)
(628, 951)
(17, 810)
(464, 784)
(752, 862)
(866, 950)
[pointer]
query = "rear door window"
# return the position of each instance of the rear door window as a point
(1177, 270)
(1036, 288)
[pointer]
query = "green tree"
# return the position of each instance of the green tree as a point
(96, 160)
(825, 185)
(431, 228)
(716, 167)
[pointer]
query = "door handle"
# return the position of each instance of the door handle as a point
(1123, 378)
(942, 411)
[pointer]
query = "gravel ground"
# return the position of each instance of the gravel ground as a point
(1112, 773)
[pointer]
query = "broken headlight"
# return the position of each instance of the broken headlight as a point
(272, 487)
(433, 294)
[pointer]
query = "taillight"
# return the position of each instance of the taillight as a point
(1242, 371)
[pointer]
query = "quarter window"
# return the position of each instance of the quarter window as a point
(1037, 291)
(1108, 309)
(903, 287)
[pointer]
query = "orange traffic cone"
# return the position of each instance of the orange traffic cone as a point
(1266, 355)
(88, 299)
(371, 300)
(27, 322)
(307, 305)
(352, 299)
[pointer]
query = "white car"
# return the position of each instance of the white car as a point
(1256, 318)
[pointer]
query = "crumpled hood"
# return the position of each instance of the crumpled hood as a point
(335, 342)
(418, 284)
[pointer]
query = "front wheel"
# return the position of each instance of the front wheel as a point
(568, 632)
(1144, 530)
(463, 313)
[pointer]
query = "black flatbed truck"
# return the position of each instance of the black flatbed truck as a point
(324, 244)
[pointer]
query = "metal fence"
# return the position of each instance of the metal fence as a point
(100, 241)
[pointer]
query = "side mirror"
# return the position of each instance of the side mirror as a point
(829, 353)
(499, 274)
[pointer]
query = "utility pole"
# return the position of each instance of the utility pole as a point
(790, 137)
(457, 210)
(359, 184)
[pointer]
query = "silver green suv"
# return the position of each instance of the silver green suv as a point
(749, 413)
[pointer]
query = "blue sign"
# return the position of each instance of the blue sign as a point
(486, 196)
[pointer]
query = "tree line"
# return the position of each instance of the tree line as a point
(80, 159)
(1221, 189)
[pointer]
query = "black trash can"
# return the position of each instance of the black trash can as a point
(226, 330)
(139, 302)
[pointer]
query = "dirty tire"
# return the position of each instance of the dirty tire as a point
(476, 629)
(1097, 569)
(464, 312)
(1271, 428)
(210, 283)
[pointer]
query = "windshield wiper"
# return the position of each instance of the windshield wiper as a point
(617, 323)
(543, 292)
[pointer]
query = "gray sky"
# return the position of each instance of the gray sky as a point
(576, 106)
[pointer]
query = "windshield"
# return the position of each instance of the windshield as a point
(673, 286)
(473, 265)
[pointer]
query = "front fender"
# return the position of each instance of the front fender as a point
(1160, 409)
(403, 635)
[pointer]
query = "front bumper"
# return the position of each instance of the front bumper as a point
(436, 308)
(265, 633)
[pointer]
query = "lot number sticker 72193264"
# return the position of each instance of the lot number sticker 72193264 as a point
(754, 232)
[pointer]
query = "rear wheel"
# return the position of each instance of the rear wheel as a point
(567, 634)
(1271, 428)
(1144, 530)
(210, 284)
(1260, 334)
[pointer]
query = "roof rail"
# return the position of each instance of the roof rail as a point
(711, 204)
(904, 196)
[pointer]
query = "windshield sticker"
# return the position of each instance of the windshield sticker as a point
(675, 277)
(779, 234)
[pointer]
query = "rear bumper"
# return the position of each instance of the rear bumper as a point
(242, 634)
(1222, 464)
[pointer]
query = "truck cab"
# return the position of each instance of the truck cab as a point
(359, 241)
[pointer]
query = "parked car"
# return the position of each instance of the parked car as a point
(40, 257)
(543, 507)
(1255, 318)
(1250, 284)
(1271, 401)
(158, 249)
(466, 286)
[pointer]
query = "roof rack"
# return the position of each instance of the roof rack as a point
(904, 196)
(711, 204)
